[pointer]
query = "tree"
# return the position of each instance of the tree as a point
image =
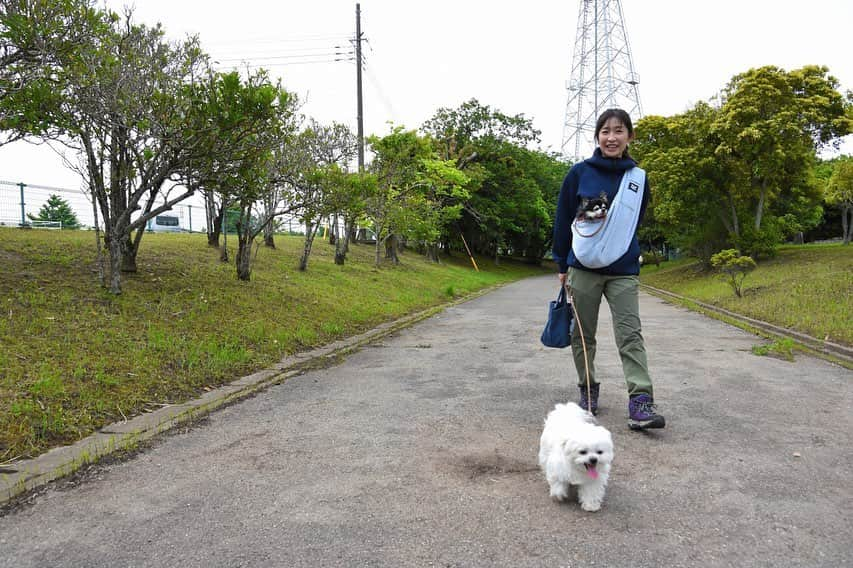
(57, 209)
(347, 198)
(435, 204)
(513, 189)
(247, 122)
(407, 170)
(691, 203)
(739, 172)
(37, 38)
(126, 107)
(454, 129)
(311, 166)
(839, 191)
(768, 129)
(734, 268)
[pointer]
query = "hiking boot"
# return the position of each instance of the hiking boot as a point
(642, 415)
(585, 402)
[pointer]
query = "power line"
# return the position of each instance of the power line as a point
(305, 39)
(293, 56)
(382, 96)
(285, 64)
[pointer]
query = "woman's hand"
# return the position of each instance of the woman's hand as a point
(562, 277)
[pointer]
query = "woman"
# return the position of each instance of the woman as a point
(596, 248)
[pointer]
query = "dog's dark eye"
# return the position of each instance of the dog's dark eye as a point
(583, 452)
(600, 452)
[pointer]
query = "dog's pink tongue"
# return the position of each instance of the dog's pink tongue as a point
(591, 471)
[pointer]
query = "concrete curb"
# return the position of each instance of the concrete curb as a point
(826, 348)
(26, 475)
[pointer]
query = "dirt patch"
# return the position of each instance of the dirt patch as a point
(492, 465)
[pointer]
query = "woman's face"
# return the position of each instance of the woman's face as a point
(613, 138)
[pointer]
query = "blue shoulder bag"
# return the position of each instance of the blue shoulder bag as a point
(561, 322)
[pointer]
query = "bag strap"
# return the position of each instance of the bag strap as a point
(633, 180)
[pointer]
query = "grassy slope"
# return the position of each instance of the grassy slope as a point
(806, 288)
(74, 358)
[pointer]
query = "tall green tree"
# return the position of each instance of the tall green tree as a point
(769, 127)
(349, 191)
(123, 106)
(311, 166)
(691, 202)
(436, 205)
(839, 192)
(245, 122)
(416, 194)
(513, 189)
(739, 172)
(398, 160)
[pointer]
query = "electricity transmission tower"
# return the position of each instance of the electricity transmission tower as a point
(602, 76)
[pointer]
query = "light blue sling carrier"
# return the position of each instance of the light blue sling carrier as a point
(601, 242)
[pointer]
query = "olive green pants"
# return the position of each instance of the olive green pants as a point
(622, 297)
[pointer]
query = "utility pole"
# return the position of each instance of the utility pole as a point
(358, 87)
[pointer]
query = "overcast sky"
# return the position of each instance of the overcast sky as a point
(513, 56)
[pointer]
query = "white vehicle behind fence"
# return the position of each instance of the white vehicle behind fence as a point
(165, 223)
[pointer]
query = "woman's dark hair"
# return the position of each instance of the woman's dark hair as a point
(619, 115)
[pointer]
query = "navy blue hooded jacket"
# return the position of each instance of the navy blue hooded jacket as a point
(588, 179)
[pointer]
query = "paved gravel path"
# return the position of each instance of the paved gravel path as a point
(420, 450)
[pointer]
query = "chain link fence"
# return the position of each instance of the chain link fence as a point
(20, 200)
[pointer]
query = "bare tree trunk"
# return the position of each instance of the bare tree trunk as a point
(244, 243)
(244, 258)
(735, 227)
(847, 224)
(223, 250)
(99, 259)
(115, 247)
(391, 248)
(333, 229)
(342, 243)
(128, 259)
(759, 209)
(378, 250)
(216, 227)
(269, 235)
(310, 233)
(214, 219)
(432, 252)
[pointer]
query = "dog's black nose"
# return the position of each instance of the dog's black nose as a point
(593, 460)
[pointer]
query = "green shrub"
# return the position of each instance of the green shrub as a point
(733, 267)
(761, 243)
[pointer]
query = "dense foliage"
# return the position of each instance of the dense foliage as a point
(513, 189)
(740, 172)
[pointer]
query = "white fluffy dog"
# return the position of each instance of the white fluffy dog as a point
(574, 450)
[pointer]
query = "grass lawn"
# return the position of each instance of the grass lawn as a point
(74, 358)
(806, 288)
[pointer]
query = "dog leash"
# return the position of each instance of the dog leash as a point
(592, 234)
(583, 345)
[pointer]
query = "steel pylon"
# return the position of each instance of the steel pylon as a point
(602, 77)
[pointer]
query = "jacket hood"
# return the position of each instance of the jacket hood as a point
(618, 164)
